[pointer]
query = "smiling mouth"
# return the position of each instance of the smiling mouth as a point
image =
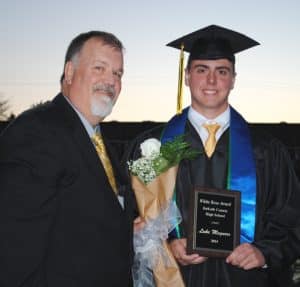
(210, 92)
(109, 94)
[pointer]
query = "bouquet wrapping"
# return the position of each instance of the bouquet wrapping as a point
(153, 181)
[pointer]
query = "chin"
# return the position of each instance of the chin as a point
(102, 107)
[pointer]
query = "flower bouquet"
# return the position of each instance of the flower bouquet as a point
(153, 181)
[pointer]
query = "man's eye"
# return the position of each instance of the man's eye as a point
(223, 72)
(201, 70)
(118, 74)
(99, 68)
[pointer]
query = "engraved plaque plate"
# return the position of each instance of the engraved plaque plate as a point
(214, 222)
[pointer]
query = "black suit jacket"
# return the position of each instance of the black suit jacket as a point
(60, 222)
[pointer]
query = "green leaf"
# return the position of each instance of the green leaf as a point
(177, 150)
(160, 164)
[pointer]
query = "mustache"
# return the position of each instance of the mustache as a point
(108, 89)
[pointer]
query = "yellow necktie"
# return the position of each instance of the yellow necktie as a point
(101, 150)
(211, 141)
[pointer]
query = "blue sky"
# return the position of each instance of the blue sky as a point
(35, 34)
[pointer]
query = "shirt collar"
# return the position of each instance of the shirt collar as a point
(88, 127)
(198, 119)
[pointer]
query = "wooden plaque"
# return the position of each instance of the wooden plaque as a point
(214, 222)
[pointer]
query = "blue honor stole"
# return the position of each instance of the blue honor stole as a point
(241, 167)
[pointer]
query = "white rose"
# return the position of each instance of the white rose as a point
(150, 147)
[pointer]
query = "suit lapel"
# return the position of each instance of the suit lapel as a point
(81, 139)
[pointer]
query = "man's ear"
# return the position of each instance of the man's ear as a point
(186, 77)
(233, 81)
(69, 72)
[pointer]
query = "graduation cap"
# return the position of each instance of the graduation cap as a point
(210, 43)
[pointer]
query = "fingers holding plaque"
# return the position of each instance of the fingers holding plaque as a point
(214, 222)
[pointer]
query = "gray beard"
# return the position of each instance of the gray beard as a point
(101, 106)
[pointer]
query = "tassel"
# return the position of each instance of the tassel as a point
(180, 81)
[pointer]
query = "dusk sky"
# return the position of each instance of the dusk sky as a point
(35, 35)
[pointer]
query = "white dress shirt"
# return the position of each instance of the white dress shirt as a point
(197, 120)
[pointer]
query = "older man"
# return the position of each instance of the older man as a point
(64, 211)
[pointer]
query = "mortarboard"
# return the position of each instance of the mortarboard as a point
(209, 43)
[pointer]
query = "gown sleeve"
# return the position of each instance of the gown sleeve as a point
(277, 224)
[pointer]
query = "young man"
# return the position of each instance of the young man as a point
(64, 210)
(234, 156)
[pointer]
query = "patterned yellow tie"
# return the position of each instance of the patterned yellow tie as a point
(101, 150)
(211, 141)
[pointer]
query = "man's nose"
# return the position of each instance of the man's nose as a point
(110, 78)
(211, 77)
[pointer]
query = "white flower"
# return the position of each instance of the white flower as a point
(157, 158)
(150, 148)
(143, 168)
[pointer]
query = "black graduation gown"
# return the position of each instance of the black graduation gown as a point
(277, 225)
